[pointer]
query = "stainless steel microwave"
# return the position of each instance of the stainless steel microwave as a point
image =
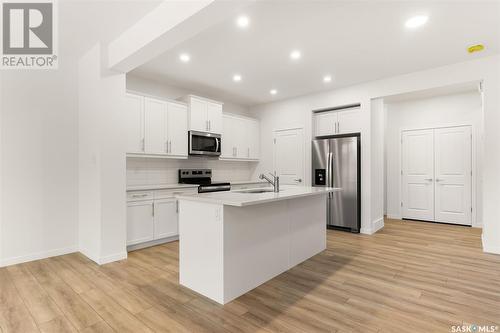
(202, 143)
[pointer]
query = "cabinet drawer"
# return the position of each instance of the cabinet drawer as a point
(140, 195)
(167, 194)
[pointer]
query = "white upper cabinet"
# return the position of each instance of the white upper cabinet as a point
(156, 127)
(155, 114)
(214, 117)
(198, 115)
(133, 117)
(349, 121)
(177, 136)
(204, 115)
(325, 123)
(337, 122)
(240, 138)
(254, 140)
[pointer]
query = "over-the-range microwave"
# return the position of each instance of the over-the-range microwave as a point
(203, 143)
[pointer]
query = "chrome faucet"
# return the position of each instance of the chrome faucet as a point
(275, 182)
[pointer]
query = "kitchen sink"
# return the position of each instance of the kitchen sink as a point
(257, 190)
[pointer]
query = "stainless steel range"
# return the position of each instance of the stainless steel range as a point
(203, 178)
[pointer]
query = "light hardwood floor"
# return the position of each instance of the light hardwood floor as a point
(409, 277)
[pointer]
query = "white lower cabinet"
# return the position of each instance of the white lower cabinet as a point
(140, 225)
(152, 216)
(165, 218)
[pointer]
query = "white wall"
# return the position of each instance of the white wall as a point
(160, 89)
(377, 165)
(439, 111)
(102, 180)
(39, 163)
(297, 112)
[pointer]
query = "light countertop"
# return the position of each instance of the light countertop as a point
(180, 186)
(239, 198)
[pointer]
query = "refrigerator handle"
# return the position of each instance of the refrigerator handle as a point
(330, 169)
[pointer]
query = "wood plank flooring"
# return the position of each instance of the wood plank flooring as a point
(409, 277)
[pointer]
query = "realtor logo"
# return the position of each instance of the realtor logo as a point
(28, 35)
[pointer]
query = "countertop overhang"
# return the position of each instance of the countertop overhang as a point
(241, 199)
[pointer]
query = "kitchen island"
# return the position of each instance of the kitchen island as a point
(231, 242)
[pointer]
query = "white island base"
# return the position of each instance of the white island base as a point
(227, 250)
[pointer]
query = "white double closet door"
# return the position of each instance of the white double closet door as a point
(437, 175)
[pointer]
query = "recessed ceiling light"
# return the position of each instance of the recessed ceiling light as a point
(273, 91)
(416, 21)
(236, 77)
(295, 55)
(327, 78)
(243, 21)
(184, 57)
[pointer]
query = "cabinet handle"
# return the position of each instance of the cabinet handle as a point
(170, 146)
(177, 206)
(338, 126)
(209, 125)
(143, 144)
(248, 152)
(153, 209)
(139, 195)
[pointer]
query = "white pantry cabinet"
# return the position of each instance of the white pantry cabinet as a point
(344, 121)
(204, 115)
(156, 127)
(240, 138)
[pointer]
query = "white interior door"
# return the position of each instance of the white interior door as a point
(418, 175)
(289, 156)
(453, 170)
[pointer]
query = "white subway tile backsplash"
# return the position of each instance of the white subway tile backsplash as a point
(158, 171)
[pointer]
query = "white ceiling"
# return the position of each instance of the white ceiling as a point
(83, 23)
(353, 41)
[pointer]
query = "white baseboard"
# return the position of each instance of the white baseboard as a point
(112, 257)
(374, 227)
(89, 255)
(377, 224)
(394, 217)
(152, 243)
(37, 256)
(488, 248)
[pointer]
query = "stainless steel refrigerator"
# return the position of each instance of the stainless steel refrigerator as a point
(336, 162)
